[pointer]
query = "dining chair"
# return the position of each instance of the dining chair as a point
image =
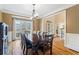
(26, 43)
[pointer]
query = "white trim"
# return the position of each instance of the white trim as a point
(65, 42)
(21, 17)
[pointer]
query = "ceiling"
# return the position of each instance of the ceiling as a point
(26, 9)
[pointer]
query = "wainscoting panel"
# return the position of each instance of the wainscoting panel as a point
(9, 36)
(72, 41)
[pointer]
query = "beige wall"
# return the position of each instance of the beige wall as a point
(0, 16)
(56, 19)
(73, 20)
(59, 18)
(7, 18)
(44, 23)
(37, 25)
(72, 25)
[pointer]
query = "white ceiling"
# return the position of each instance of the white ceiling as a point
(26, 9)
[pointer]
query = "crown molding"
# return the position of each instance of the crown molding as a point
(57, 11)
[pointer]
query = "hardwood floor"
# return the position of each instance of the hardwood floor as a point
(58, 48)
(15, 48)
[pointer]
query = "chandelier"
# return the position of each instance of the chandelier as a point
(34, 14)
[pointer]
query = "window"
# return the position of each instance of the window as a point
(49, 27)
(21, 26)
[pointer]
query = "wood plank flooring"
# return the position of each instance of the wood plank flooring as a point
(58, 48)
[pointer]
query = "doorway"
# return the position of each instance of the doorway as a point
(61, 31)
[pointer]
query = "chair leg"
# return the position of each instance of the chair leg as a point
(43, 51)
(50, 51)
(36, 52)
(21, 46)
(24, 50)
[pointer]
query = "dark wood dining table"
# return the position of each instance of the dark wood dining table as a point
(47, 43)
(44, 44)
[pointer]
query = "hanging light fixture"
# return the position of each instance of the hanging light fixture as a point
(34, 14)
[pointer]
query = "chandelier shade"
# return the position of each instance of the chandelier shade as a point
(34, 14)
